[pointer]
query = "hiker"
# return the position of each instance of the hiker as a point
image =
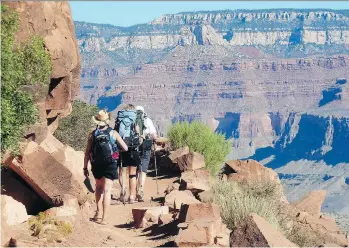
(149, 135)
(102, 151)
(126, 125)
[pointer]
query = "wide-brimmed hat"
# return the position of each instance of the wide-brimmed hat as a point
(102, 119)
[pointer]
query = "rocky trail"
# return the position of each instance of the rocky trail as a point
(120, 230)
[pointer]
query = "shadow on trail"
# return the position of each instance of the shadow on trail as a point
(127, 226)
(168, 244)
(157, 232)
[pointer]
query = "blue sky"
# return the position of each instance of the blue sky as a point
(122, 13)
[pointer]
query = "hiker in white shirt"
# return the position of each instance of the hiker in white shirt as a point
(149, 135)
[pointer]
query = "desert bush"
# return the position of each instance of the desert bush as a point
(74, 129)
(21, 65)
(200, 138)
(49, 227)
(238, 200)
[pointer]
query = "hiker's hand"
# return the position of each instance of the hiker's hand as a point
(86, 173)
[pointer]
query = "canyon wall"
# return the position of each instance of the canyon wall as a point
(275, 82)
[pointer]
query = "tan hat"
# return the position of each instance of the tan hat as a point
(102, 119)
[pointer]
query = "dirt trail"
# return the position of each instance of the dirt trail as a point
(119, 231)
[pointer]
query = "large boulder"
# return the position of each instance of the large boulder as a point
(196, 181)
(47, 177)
(191, 161)
(143, 215)
(201, 225)
(250, 170)
(178, 153)
(12, 212)
(74, 162)
(257, 232)
(312, 202)
(176, 199)
(12, 185)
(53, 22)
(191, 212)
(323, 227)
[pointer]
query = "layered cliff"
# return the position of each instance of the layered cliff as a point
(282, 33)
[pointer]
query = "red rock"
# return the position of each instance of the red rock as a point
(47, 177)
(312, 202)
(145, 214)
(171, 187)
(206, 211)
(195, 181)
(51, 144)
(12, 212)
(74, 162)
(70, 207)
(325, 227)
(191, 162)
(53, 22)
(193, 236)
(18, 190)
(165, 219)
(178, 153)
(176, 198)
(206, 196)
(250, 170)
(257, 232)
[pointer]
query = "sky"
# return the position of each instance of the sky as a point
(123, 13)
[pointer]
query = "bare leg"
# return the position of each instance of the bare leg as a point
(98, 195)
(107, 183)
(133, 182)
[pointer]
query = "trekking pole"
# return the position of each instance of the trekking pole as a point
(156, 171)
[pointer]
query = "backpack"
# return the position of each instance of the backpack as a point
(125, 125)
(140, 121)
(104, 149)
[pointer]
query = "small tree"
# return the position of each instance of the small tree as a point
(74, 129)
(200, 138)
(21, 65)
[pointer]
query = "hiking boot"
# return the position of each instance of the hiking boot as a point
(131, 200)
(122, 197)
(140, 195)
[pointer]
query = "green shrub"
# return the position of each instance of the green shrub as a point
(238, 200)
(200, 138)
(74, 129)
(27, 64)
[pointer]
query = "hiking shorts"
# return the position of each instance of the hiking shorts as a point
(109, 171)
(145, 159)
(130, 158)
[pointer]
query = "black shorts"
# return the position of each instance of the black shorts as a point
(105, 170)
(130, 158)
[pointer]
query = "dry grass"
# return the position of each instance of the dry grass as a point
(44, 226)
(238, 200)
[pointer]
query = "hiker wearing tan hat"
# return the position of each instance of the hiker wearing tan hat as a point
(103, 154)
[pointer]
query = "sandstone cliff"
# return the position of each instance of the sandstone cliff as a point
(53, 22)
(45, 166)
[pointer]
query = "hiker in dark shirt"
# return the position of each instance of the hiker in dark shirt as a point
(103, 153)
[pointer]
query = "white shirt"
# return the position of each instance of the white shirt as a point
(150, 128)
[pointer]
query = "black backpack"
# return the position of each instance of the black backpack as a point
(104, 149)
